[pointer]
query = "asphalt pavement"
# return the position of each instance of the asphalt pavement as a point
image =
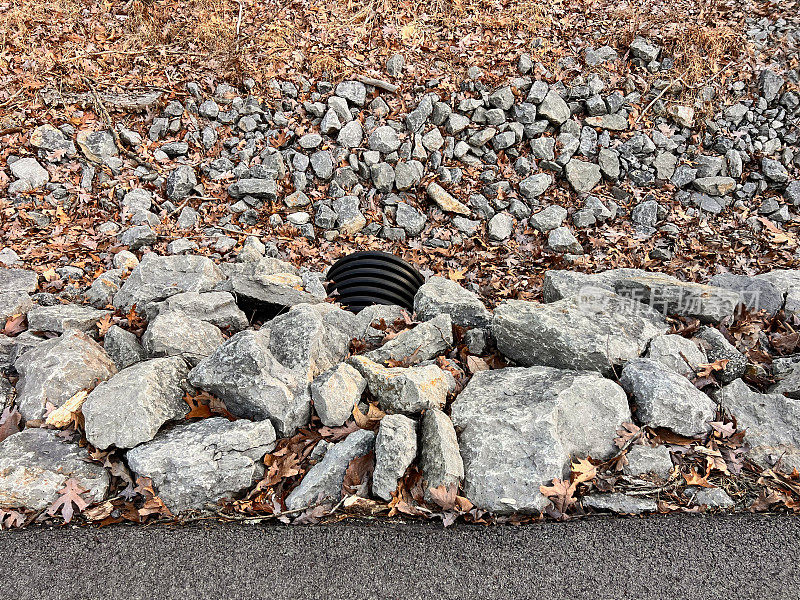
(664, 558)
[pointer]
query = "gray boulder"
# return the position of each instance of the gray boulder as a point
(123, 347)
(174, 333)
(130, 408)
(674, 297)
(666, 399)
(425, 341)
(582, 176)
(395, 450)
(756, 294)
(62, 317)
(590, 331)
(440, 458)
(519, 429)
(217, 308)
(644, 460)
(772, 423)
(55, 370)
(197, 463)
(677, 353)
(269, 281)
(36, 463)
(717, 348)
(443, 296)
(253, 384)
(18, 280)
(405, 390)
(156, 278)
(324, 481)
(335, 393)
(311, 338)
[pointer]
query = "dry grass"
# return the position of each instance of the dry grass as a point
(167, 42)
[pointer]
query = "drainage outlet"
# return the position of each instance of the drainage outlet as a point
(365, 278)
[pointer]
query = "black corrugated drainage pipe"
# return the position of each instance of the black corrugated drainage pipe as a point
(365, 278)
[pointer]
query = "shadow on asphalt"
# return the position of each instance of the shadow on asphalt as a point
(660, 557)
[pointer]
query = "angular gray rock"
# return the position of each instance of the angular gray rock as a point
(425, 341)
(13, 303)
(440, 457)
(193, 464)
(30, 171)
(395, 450)
(131, 407)
(439, 296)
(501, 226)
(787, 373)
(405, 390)
(666, 399)
(180, 183)
(756, 294)
(619, 503)
(717, 348)
(174, 333)
(715, 186)
(589, 331)
(677, 353)
(710, 497)
(384, 139)
(561, 239)
(535, 185)
(771, 422)
(123, 347)
(217, 308)
(335, 393)
(582, 176)
(55, 370)
(549, 218)
(245, 375)
(323, 482)
(670, 296)
(645, 460)
(520, 428)
(268, 280)
(554, 109)
(35, 465)
(156, 278)
(311, 338)
(445, 200)
(62, 317)
(18, 280)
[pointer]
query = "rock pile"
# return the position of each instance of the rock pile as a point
(500, 435)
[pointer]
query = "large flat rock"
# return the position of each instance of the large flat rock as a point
(197, 463)
(35, 464)
(55, 370)
(772, 423)
(131, 407)
(245, 374)
(156, 278)
(519, 427)
(589, 331)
